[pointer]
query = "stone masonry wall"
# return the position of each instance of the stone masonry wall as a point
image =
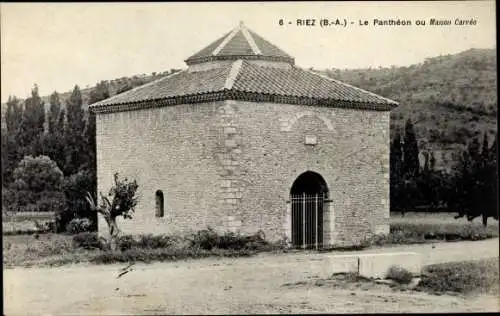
(351, 154)
(231, 165)
(173, 149)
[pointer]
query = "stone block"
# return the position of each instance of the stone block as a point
(343, 264)
(377, 265)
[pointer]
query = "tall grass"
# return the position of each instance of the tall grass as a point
(467, 277)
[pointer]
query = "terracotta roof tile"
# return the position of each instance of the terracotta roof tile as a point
(178, 84)
(239, 43)
(244, 80)
(249, 78)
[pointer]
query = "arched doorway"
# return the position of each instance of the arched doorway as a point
(308, 196)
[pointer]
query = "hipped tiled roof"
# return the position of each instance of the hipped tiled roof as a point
(240, 42)
(245, 80)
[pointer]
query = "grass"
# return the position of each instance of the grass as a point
(54, 249)
(466, 277)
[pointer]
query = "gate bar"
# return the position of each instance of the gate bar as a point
(304, 220)
(316, 235)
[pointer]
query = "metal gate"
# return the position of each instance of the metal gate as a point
(307, 220)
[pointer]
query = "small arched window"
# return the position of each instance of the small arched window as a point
(160, 211)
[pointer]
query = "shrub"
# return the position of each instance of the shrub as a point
(154, 242)
(448, 231)
(462, 277)
(126, 242)
(399, 274)
(78, 225)
(87, 240)
(205, 239)
(37, 186)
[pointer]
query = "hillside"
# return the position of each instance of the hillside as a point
(449, 98)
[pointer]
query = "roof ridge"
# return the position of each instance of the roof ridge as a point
(350, 86)
(136, 88)
(250, 40)
(226, 40)
(233, 73)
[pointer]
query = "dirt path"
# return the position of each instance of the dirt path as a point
(227, 286)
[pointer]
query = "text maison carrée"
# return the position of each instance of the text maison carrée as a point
(431, 21)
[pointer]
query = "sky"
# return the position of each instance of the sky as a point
(59, 45)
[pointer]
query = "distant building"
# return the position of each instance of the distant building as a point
(244, 140)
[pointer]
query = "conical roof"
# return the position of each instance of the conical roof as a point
(240, 43)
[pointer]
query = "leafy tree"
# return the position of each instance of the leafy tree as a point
(410, 153)
(100, 92)
(396, 173)
(53, 141)
(11, 154)
(121, 202)
(55, 111)
(476, 183)
(75, 126)
(31, 129)
(75, 188)
(13, 115)
(37, 186)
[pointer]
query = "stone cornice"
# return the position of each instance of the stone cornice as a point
(235, 57)
(239, 96)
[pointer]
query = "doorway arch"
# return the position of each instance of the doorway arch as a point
(308, 195)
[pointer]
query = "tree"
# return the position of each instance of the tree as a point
(54, 112)
(100, 92)
(410, 153)
(37, 186)
(476, 182)
(14, 114)
(123, 200)
(75, 188)
(75, 126)
(10, 148)
(396, 173)
(31, 129)
(53, 141)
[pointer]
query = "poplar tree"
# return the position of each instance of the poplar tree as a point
(75, 126)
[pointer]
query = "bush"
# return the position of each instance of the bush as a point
(462, 277)
(205, 239)
(168, 254)
(399, 274)
(154, 242)
(87, 240)
(448, 232)
(37, 187)
(78, 225)
(126, 242)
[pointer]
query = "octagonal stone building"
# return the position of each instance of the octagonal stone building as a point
(244, 140)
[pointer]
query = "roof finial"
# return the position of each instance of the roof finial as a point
(241, 24)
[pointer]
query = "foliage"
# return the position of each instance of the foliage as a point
(87, 240)
(208, 239)
(447, 91)
(399, 274)
(75, 188)
(37, 187)
(463, 277)
(476, 181)
(123, 200)
(78, 225)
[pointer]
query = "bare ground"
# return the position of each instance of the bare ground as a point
(268, 283)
